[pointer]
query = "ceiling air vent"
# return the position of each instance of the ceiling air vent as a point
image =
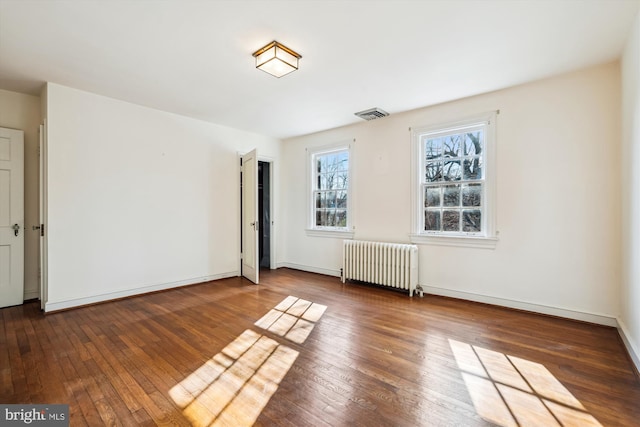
(372, 114)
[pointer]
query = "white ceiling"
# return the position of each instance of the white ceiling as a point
(193, 57)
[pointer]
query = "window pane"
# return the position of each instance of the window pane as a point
(343, 162)
(323, 160)
(452, 145)
(319, 200)
(331, 199)
(323, 181)
(321, 218)
(472, 168)
(471, 221)
(342, 180)
(434, 171)
(451, 220)
(326, 163)
(432, 220)
(341, 218)
(473, 143)
(433, 148)
(431, 197)
(472, 195)
(451, 195)
(452, 170)
(332, 162)
(332, 180)
(318, 165)
(331, 218)
(342, 199)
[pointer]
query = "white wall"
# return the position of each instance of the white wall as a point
(630, 296)
(138, 199)
(558, 197)
(19, 111)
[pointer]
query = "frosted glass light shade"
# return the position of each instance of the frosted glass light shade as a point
(276, 59)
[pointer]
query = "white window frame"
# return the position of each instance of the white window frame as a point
(488, 237)
(335, 232)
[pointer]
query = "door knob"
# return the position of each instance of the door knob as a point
(15, 227)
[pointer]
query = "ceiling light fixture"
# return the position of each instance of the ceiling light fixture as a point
(276, 59)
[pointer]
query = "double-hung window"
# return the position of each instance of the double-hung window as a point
(330, 202)
(454, 183)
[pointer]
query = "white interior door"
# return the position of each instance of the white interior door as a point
(11, 217)
(250, 258)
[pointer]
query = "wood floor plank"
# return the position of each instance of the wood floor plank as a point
(374, 357)
(6, 381)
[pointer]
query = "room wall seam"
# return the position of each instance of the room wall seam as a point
(630, 346)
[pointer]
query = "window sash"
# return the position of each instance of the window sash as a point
(464, 211)
(467, 230)
(330, 192)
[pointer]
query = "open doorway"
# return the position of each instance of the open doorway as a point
(256, 216)
(264, 213)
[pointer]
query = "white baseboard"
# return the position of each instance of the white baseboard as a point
(629, 344)
(31, 294)
(599, 319)
(310, 269)
(62, 305)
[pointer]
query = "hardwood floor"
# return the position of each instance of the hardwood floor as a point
(374, 357)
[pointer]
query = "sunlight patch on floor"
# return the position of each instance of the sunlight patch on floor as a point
(293, 318)
(510, 391)
(233, 387)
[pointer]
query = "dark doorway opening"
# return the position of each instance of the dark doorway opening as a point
(264, 213)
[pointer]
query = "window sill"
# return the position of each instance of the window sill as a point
(338, 234)
(459, 241)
